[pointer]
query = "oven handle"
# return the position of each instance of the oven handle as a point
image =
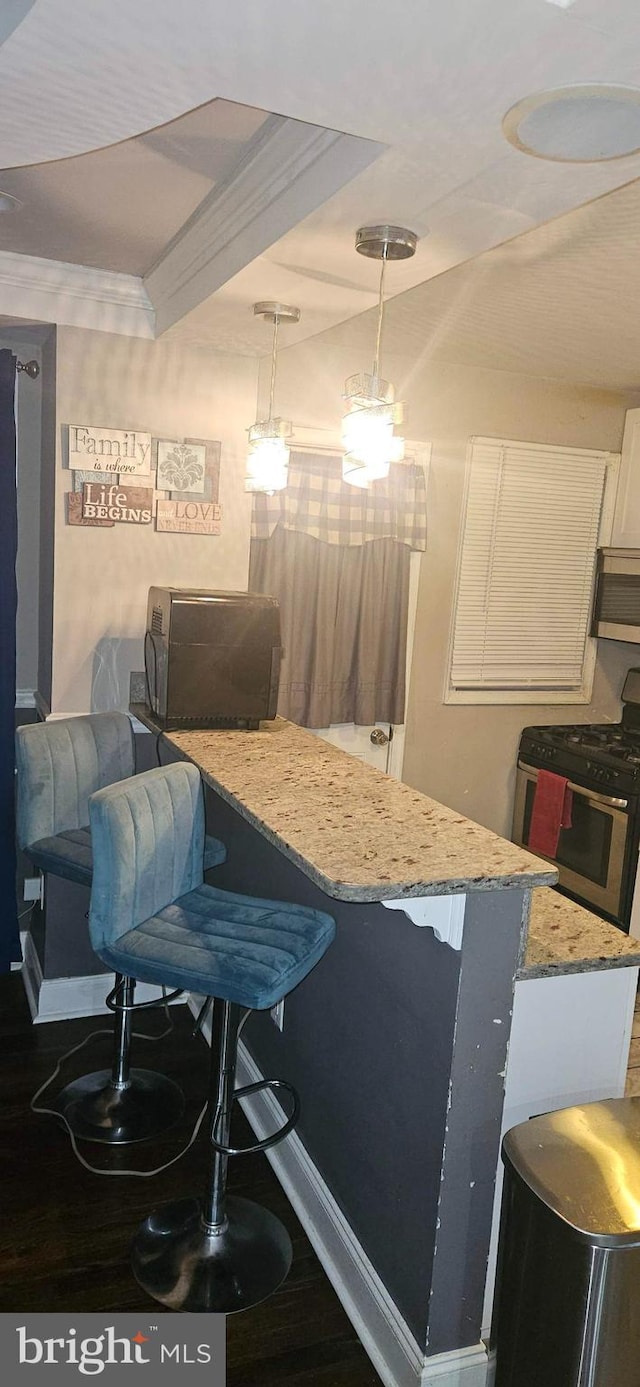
(580, 789)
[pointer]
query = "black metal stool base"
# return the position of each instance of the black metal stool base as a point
(183, 1266)
(97, 1110)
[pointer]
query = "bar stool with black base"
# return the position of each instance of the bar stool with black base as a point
(59, 765)
(154, 918)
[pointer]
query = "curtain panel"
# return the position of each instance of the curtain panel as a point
(338, 561)
(9, 936)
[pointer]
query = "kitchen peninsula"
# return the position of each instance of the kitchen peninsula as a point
(398, 1045)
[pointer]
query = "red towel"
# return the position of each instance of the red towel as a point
(551, 811)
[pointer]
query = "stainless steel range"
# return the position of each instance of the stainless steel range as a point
(597, 858)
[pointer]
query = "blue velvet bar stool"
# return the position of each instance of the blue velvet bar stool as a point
(153, 918)
(59, 765)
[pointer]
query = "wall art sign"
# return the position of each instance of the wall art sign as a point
(205, 450)
(88, 475)
(124, 452)
(126, 505)
(188, 517)
(75, 516)
(181, 466)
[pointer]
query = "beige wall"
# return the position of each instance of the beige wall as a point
(463, 756)
(102, 576)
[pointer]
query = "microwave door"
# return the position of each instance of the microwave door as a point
(591, 854)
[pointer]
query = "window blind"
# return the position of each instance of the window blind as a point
(527, 566)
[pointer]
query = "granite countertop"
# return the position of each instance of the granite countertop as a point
(356, 832)
(566, 938)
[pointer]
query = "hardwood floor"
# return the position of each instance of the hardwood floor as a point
(65, 1233)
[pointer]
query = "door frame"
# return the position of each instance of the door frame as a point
(312, 440)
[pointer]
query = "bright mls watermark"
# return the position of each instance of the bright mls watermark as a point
(169, 1346)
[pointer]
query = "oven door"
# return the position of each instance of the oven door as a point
(591, 855)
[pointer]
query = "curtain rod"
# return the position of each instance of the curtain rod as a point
(31, 368)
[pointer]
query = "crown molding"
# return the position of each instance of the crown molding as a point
(74, 295)
(290, 169)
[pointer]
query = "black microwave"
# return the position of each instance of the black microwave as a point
(212, 659)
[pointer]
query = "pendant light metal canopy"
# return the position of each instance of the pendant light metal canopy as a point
(268, 457)
(368, 427)
(386, 242)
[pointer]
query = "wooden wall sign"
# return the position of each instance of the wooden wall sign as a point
(124, 452)
(181, 466)
(178, 461)
(129, 505)
(75, 516)
(188, 517)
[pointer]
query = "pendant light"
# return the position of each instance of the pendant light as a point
(368, 427)
(268, 456)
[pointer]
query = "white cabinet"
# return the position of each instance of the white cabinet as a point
(626, 520)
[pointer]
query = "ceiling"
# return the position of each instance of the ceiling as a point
(117, 208)
(128, 131)
(560, 302)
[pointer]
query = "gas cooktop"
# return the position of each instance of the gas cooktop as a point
(602, 753)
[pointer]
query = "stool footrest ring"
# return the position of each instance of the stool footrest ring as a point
(114, 1005)
(266, 1142)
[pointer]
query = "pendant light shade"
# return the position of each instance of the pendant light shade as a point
(369, 424)
(368, 430)
(268, 456)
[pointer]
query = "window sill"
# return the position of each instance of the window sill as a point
(566, 697)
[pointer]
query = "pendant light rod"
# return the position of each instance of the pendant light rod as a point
(275, 313)
(376, 359)
(274, 357)
(384, 243)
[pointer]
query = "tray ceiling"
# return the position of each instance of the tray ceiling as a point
(127, 132)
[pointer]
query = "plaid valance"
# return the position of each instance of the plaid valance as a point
(317, 502)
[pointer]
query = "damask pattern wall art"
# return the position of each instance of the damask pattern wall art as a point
(190, 470)
(122, 476)
(181, 465)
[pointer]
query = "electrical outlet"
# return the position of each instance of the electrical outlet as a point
(277, 1015)
(33, 888)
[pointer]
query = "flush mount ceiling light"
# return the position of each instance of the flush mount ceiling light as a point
(268, 457)
(583, 124)
(9, 203)
(368, 427)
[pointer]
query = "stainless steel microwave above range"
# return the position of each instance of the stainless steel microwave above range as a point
(616, 608)
(597, 858)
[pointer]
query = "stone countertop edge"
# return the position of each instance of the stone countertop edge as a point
(565, 938)
(281, 761)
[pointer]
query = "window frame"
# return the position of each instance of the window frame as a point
(580, 693)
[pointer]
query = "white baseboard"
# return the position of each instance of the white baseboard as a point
(384, 1334)
(31, 972)
(25, 698)
(63, 999)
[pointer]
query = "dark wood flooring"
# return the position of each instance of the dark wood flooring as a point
(64, 1233)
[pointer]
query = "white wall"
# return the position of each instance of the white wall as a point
(463, 756)
(102, 576)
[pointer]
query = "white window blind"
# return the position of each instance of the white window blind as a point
(526, 571)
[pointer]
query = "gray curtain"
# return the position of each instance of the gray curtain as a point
(344, 623)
